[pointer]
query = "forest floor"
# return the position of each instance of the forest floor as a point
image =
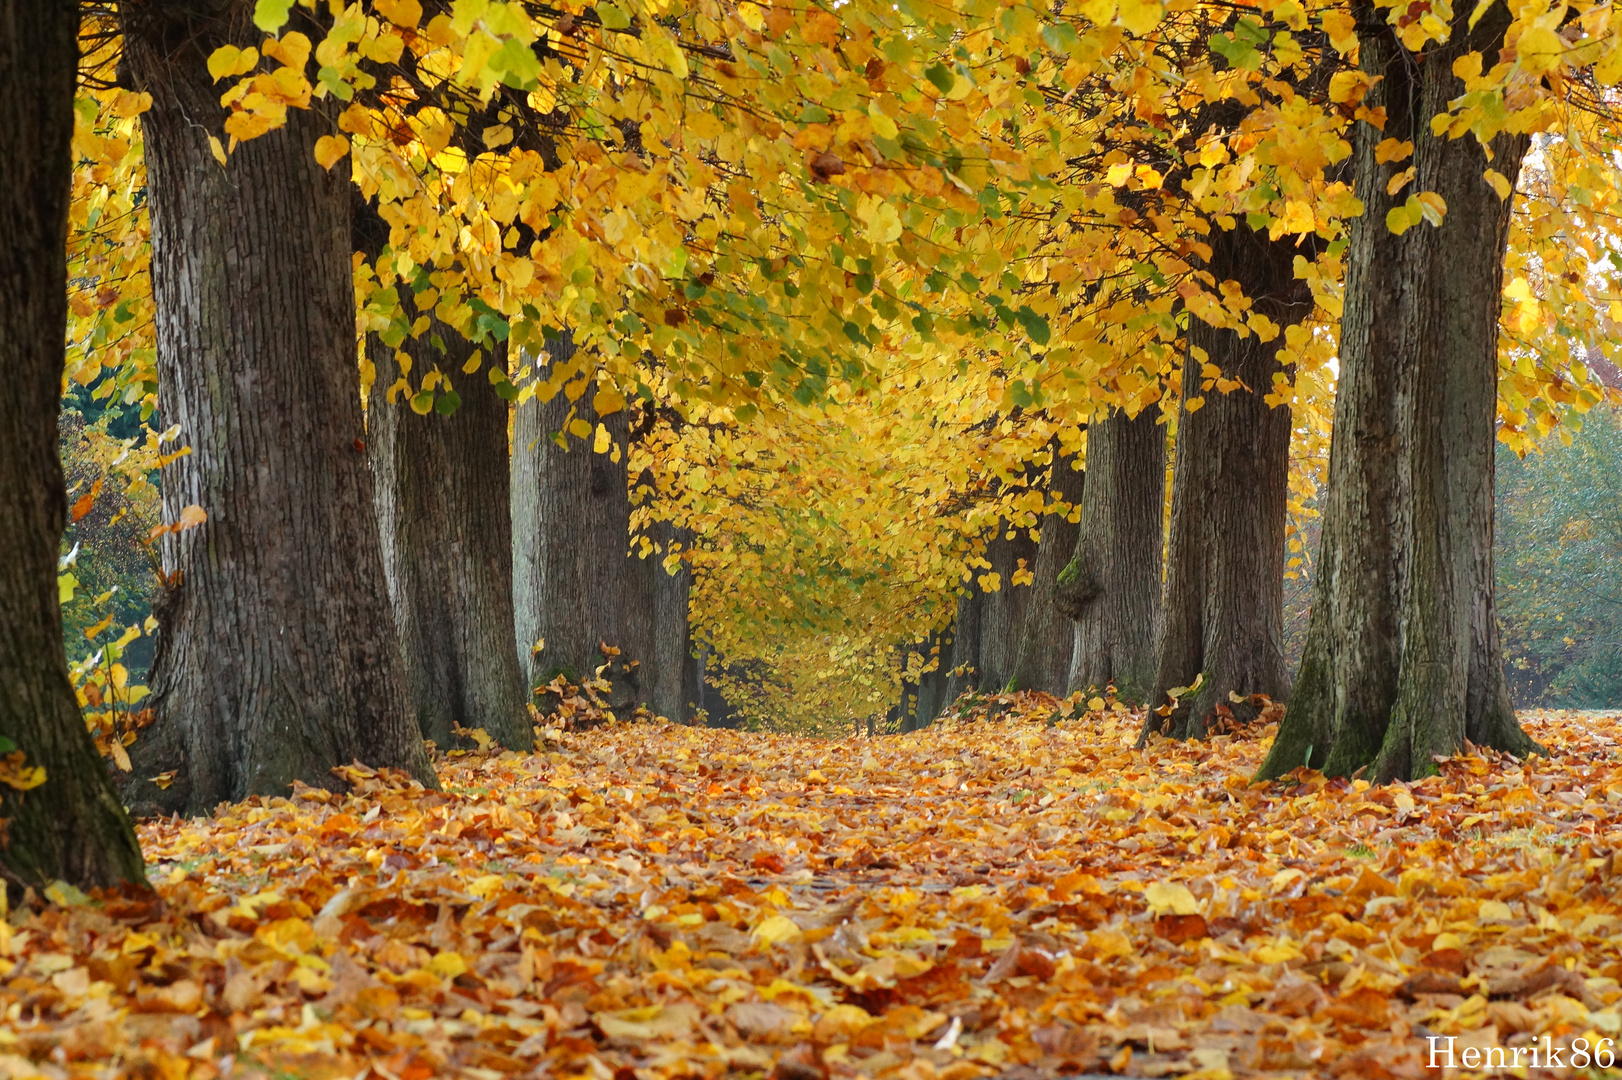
(1019, 897)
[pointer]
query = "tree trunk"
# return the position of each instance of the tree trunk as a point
(71, 827)
(677, 683)
(1402, 657)
(1224, 614)
(577, 586)
(932, 686)
(965, 655)
(442, 508)
(1002, 613)
(277, 659)
(1110, 589)
(1046, 641)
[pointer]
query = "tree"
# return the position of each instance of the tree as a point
(578, 589)
(1402, 660)
(677, 675)
(1111, 587)
(1043, 661)
(1558, 554)
(440, 479)
(277, 658)
(1224, 606)
(63, 818)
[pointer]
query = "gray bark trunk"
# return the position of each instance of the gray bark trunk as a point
(1046, 642)
(576, 584)
(1002, 613)
(442, 508)
(965, 657)
(277, 657)
(1224, 613)
(1402, 657)
(1111, 588)
(677, 683)
(72, 827)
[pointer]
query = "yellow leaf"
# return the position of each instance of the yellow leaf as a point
(330, 148)
(776, 930)
(191, 517)
(1140, 16)
(751, 16)
(406, 13)
(163, 780)
(1341, 28)
(600, 442)
(448, 965)
(579, 428)
(1171, 898)
(1539, 50)
(1500, 183)
(229, 60)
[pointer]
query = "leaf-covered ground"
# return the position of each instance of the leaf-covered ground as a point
(1017, 896)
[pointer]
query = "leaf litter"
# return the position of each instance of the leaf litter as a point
(1020, 896)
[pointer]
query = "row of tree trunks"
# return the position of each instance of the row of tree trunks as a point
(1402, 660)
(577, 587)
(1224, 605)
(72, 826)
(1045, 641)
(278, 657)
(1110, 589)
(441, 490)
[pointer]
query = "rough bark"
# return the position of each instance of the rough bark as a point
(964, 673)
(1046, 641)
(1224, 607)
(932, 686)
(576, 584)
(277, 657)
(1110, 590)
(72, 827)
(1002, 613)
(441, 491)
(1402, 657)
(677, 682)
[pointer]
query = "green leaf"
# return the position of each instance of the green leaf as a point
(270, 15)
(6, 745)
(448, 403)
(941, 76)
(612, 17)
(422, 401)
(1036, 327)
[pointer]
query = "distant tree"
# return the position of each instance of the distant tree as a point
(1559, 563)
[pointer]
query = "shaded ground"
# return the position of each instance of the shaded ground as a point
(1019, 897)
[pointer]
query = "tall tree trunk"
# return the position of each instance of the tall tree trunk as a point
(72, 826)
(932, 685)
(1402, 656)
(577, 586)
(1110, 589)
(964, 673)
(277, 658)
(1002, 613)
(1224, 615)
(440, 485)
(1046, 644)
(677, 684)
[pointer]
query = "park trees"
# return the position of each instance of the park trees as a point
(64, 820)
(255, 338)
